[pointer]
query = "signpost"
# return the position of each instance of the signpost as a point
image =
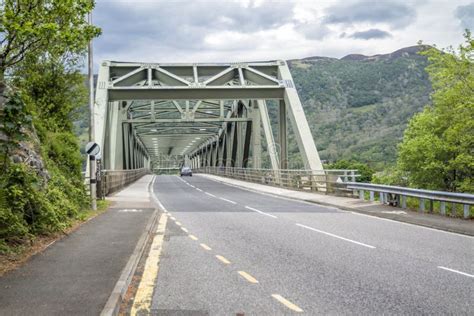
(93, 150)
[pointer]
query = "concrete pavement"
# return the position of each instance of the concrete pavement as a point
(228, 250)
(76, 275)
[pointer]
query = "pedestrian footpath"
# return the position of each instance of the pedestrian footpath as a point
(77, 274)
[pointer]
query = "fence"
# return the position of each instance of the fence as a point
(114, 180)
(397, 196)
(325, 181)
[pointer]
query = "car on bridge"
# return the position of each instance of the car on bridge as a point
(186, 171)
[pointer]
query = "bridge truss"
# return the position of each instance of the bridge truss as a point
(201, 114)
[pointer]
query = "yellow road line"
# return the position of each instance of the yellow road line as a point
(144, 294)
(193, 237)
(287, 303)
(223, 259)
(178, 223)
(184, 229)
(206, 247)
(248, 277)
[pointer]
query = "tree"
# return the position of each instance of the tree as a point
(363, 170)
(437, 151)
(31, 26)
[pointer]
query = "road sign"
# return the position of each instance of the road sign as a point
(92, 149)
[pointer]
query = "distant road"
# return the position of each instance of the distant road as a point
(228, 250)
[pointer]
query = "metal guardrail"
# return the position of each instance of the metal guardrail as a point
(111, 181)
(324, 181)
(397, 196)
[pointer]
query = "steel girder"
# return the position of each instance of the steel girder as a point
(210, 113)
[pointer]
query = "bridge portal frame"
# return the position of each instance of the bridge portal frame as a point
(137, 103)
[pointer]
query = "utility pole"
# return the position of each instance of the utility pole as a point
(92, 161)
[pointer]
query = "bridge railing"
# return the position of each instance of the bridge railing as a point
(324, 181)
(398, 196)
(111, 181)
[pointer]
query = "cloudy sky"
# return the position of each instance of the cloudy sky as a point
(245, 30)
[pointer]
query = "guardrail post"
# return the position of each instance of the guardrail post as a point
(372, 198)
(381, 197)
(404, 201)
(353, 178)
(466, 211)
(361, 195)
(442, 208)
(422, 205)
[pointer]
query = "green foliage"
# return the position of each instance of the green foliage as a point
(32, 26)
(14, 119)
(358, 109)
(42, 45)
(437, 151)
(363, 169)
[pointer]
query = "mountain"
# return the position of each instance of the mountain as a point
(358, 106)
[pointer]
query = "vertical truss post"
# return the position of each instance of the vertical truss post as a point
(246, 150)
(283, 135)
(256, 135)
(215, 152)
(298, 120)
(229, 143)
(267, 129)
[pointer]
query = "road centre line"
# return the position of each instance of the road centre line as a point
(287, 303)
(178, 223)
(336, 236)
(247, 277)
(184, 229)
(224, 199)
(210, 194)
(173, 218)
(193, 237)
(222, 259)
(260, 212)
(456, 271)
(205, 246)
(199, 190)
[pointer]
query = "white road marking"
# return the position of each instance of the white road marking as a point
(335, 236)
(456, 271)
(210, 194)
(338, 209)
(184, 229)
(199, 190)
(223, 199)
(223, 259)
(260, 212)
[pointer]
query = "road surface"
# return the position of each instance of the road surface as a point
(228, 250)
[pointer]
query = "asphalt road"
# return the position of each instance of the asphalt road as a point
(228, 250)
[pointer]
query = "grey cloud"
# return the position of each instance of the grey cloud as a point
(395, 14)
(312, 31)
(181, 24)
(371, 34)
(465, 14)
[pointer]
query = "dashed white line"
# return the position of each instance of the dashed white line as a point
(260, 212)
(199, 190)
(456, 271)
(223, 199)
(287, 303)
(336, 236)
(210, 194)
